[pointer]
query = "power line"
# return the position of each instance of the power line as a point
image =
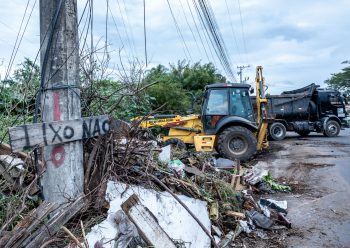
(204, 29)
(130, 26)
(233, 31)
(199, 33)
(179, 32)
(144, 31)
(242, 28)
(118, 31)
(207, 17)
(18, 42)
(188, 24)
(130, 42)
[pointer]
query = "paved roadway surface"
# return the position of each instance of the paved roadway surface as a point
(318, 169)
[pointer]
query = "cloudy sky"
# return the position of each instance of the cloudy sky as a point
(297, 42)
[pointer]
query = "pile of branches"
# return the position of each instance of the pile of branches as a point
(128, 155)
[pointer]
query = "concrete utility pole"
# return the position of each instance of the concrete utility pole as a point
(60, 99)
(240, 71)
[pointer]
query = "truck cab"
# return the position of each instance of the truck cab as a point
(227, 112)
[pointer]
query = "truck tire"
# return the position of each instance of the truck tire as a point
(303, 133)
(237, 143)
(332, 128)
(175, 143)
(277, 131)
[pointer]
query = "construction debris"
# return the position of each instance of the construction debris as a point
(176, 222)
(126, 175)
(146, 223)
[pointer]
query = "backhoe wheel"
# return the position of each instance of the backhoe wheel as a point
(175, 143)
(303, 133)
(237, 143)
(332, 129)
(277, 131)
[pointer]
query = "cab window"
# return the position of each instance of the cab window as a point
(217, 102)
(240, 103)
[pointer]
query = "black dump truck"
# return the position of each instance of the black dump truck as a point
(305, 110)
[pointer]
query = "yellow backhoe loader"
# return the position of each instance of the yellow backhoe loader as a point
(227, 122)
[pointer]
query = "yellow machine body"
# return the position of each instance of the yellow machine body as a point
(261, 103)
(189, 129)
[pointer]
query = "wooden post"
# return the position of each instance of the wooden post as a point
(60, 99)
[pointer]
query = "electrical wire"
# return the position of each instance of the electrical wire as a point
(207, 17)
(180, 34)
(18, 42)
(242, 28)
(129, 41)
(145, 31)
(233, 30)
(199, 33)
(189, 26)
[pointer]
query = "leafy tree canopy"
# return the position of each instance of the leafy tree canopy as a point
(341, 80)
(180, 84)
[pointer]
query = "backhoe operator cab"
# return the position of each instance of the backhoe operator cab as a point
(227, 113)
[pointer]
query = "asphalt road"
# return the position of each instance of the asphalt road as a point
(318, 169)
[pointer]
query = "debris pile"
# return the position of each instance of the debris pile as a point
(191, 199)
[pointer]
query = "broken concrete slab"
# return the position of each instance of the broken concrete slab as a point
(151, 232)
(171, 216)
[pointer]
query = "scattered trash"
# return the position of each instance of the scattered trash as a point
(151, 232)
(245, 226)
(255, 175)
(265, 210)
(264, 187)
(12, 165)
(230, 237)
(127, 231)
(194, 171)
(177, 167)
(214, 211)
(261, 234)
(224, 163)
(276, 186)
(216, 230)
(283, 220)
(279, 206)
(235, 214)
(171, 216)
(260, 220)
(165, 155)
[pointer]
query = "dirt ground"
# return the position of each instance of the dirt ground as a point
(318, 170)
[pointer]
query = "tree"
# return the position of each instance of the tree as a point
(180, 84)
(18, 94)
(340, 81)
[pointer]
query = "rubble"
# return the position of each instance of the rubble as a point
(189, 198)
(171, 216)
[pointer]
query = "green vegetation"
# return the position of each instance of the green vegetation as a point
(180, 85)
(341, 80)
(174, 89)
(274, 185)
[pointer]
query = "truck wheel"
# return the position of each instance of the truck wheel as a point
(332, 129)
(277, 131)
(303, 133)
(237, 143)
(175, 143)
